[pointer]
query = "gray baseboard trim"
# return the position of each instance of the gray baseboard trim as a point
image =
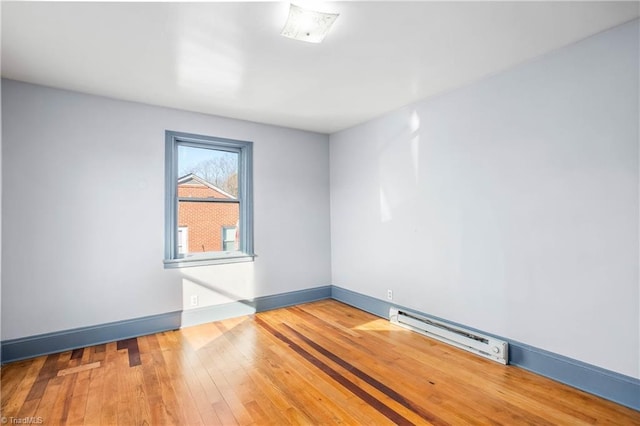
(259, 304)
(275, 301)
(60, 341)
(206, 314)
(361, 301)
(607, 384)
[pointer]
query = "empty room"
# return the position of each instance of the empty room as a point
(362, 213)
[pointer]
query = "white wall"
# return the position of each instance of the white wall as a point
(510, 205)
(83, 212)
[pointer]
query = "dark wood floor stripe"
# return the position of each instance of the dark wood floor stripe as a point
(77, 353)
(370, 380)
(48, 371)
(134, 353)
(307, 316)
(131, 345)
(381, 407)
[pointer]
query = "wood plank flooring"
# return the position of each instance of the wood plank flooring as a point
(318, 363)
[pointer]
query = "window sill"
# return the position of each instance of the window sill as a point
(188, 262)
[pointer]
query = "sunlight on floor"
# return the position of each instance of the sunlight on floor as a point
(199, 340)
(380, 325)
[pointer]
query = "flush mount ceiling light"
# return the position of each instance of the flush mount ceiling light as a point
(307, 25)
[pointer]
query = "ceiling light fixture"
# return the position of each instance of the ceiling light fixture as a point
(307, 25)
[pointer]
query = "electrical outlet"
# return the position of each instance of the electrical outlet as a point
(390, 294)
(194, 300)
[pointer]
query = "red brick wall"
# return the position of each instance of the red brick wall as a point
(203, 219)
(197, 190)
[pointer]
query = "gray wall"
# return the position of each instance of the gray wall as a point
(83, 212)
(510, 205)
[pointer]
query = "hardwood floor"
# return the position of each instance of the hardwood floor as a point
(319, 363)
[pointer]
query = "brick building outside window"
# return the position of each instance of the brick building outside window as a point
(205, 226)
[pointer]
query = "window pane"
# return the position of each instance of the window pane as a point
(207, 174)
(209, 226)
(211, 173)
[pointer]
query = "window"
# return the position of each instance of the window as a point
(229, 238)
(208, 200)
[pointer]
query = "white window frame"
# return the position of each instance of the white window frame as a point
(244, 149)
(224, 235)
(183, 238)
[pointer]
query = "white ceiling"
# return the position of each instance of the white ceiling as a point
(228, 58)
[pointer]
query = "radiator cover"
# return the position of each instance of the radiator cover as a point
(485, 346)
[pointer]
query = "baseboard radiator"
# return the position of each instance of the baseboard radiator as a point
(488, 347)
